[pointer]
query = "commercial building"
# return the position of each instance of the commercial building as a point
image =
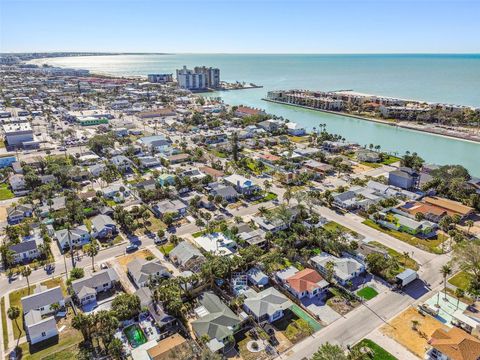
(212, 75)
(19, 135)
(160, 78)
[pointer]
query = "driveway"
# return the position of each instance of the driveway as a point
(318, 307)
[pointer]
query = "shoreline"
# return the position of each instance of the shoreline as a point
(378, 121)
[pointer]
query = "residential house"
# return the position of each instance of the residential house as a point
(86, 289)
(18, 184)
(367, 155)
(97, 169)
(39, 328)
(404, 178)
(216, 321)
(451, 206)
(392, 220)
(226, 192)
(295, 129)
(142, 271)
(317, 168)
(175, 207)
(122, 163)
(156, 143)
(345, 269)
(186, 256)
(116, 192)
(166, 179)
(103, 226)
(453, 344)
(17, 213)
(306, 283)
(243, 111)
(241, 184)
(42, 300)
(148, 162)
(266, 306)
(56, 204)
(77, 237)
(257, 277)
(282, 275)
(26, 250)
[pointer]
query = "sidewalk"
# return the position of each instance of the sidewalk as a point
(391, 346)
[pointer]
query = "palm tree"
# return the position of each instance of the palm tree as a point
(469, 224)
(115, 349)
(81, 322)
(287, 196)
(459, 293)
(91, 250)
(415, 324)
(55, 307)
(26, 272)
(446, 270)
(13, 314)
(69, 234)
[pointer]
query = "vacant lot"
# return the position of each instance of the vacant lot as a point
(401, 329)
(141, 254)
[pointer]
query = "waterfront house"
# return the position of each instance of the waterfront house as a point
(243, 111)
(266, 306)
(404, 178)
(345, 269)
(142, 271)
(87, 288)
(306, 283)
(295, 129)
(367, 155)
(215, 320)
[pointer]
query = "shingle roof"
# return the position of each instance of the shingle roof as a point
(24, 246)
(266, 302)
(141, 270)
(41, 299)
(97, 279)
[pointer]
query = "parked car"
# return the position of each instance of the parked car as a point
(131, 247)
(160, 240)
(103, 266)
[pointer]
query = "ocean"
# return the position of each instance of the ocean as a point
(451, 79)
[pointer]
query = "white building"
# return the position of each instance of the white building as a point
(189, 79)
(160, 78)
(19, 134)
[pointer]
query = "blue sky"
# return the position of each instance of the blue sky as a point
(227, 26)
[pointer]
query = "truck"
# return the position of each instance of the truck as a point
(405, 278)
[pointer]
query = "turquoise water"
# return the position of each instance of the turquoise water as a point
(438, 78)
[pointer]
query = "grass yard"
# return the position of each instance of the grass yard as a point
(390, 160)
(367, 293)
(247, 354)
(379, 353)
(15, 298)
(298, 139)
(334, 226)
(431, 245)
(141, 254)
(268, 197)
(58, 281)
(153, 224)
(460, 280)
(4, 323)
(298, 330)
(403, 260)
(165, 249)
(372, 165)
(5, 192)
(65, 347)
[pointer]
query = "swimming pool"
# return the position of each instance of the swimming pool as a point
(135, 335)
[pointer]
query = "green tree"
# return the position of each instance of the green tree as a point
(115, 349)
(126, 306)
(329, 352)
(26, 272)
(82, 323)
(446, 271)
(91, 250)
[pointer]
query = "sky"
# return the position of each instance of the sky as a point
(248, 26)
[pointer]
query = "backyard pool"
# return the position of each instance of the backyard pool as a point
(135, 335)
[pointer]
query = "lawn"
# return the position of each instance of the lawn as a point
(4, 323)
(5, 192)
(390, 160)
(431, 245)
(372, 165)
(246, 354)
(367, 293)
(66, 347)
(153, 224)
(403, 260)
(460, 280)
(15, 298)
(268, 197)
(334, 226)
(379, 353)
(58, 281)
(165, 249)
(140, 254)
